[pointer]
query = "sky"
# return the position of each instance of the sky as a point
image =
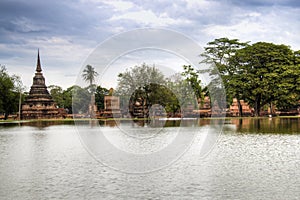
(67, 32)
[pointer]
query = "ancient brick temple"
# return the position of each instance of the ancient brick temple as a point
(39, 103)
(111, 107)
(234, 108)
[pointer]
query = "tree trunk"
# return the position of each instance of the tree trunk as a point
(5, 115)
(20, 105)
(257, 105)
(271, 109)
(240, 107)
(92, 114)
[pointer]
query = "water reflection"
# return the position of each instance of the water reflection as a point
(266, 125)
(240, 125)
(45, 160)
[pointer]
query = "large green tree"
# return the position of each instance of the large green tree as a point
(142, 83)
(9, 93)
(218, 54)
(266, 74)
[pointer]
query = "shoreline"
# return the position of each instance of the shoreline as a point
(139, 119)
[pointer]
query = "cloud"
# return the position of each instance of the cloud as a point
(24, 25)
(265, 3)
(275, 25)
(148, 18)
(166, 62)
(60, 57)
(120, 5)
(67, 31)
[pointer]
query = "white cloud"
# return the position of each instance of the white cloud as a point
(274, 25)
(69, 31)
(166, 62)
(24, 24)
(237, 30)
(200, 4)
(61, 59)
(120, 5)
(148, 18)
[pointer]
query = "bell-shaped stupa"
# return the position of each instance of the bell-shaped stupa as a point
(39, 103)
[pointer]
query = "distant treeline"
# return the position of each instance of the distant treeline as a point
(263, 74)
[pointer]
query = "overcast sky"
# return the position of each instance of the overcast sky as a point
(67, 31)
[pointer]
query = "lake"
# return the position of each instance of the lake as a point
(179, 159)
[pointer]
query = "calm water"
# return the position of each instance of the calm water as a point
(252, 159)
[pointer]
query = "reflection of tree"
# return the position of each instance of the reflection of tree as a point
(266, 125)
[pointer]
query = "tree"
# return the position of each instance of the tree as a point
(57, 95)
(265, 73)
(141, 83)
(192, 78)
(79, 98)
(19, 87)
(9, 95)
(89, 75)
(99, 96)
(180, 93)
(219, 54)
(67, 98)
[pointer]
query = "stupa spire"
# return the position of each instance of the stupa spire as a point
(38, 64)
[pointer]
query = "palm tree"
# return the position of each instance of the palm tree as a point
(89, 75)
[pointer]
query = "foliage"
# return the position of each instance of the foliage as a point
(182, 93)
(192, 79)
(9, 92)
(265, 74)
(57, 95)
(79, 96)
(219, 54)
(99, 96)
(138, 78)
(261, 73)
(89, 74)
(80, 99)
(147, 85)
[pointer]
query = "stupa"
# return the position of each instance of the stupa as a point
(39, 103)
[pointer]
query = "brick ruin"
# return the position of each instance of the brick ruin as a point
(234, 108)
(39, 103)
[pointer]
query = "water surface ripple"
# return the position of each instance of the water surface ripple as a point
(51, 163)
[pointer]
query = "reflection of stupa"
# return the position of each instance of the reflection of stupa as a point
(39, 103)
